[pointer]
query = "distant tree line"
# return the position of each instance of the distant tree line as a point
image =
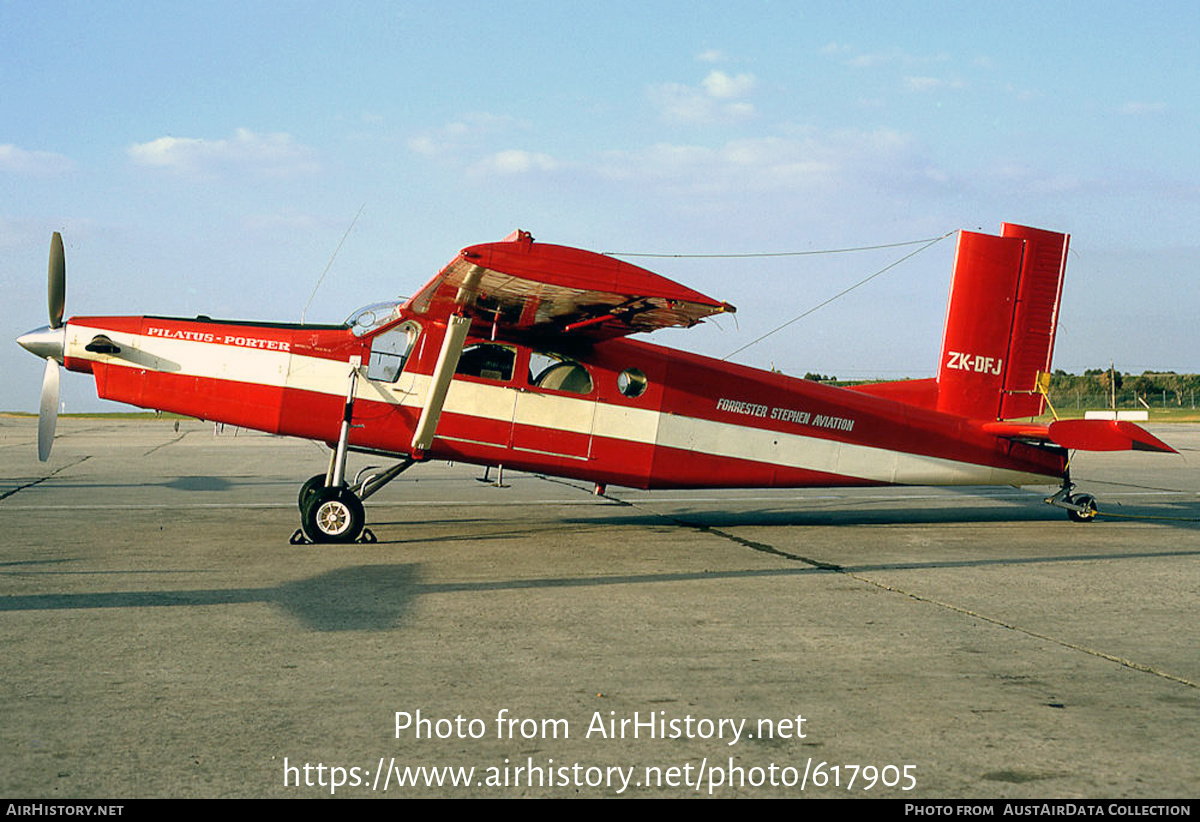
(1094, 388)
(1154, 389)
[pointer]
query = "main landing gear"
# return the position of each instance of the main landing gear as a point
(330, 509)
(330, 513)
(1079, 507)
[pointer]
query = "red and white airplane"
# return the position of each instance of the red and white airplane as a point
(517, 354)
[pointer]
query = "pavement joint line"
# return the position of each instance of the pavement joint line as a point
(1128, 663)
(40, 480)
(165, 444)
(825, 566)
(1143, 487)
(1146, 517)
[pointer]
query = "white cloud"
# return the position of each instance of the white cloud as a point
(37, 163)
(805, 162)
(425, 145)
(875, 59)
(464, 134)
(516, 161)
(836, 48)
(267, 155)
(720, 85)
(924, 84)
(680, 103)
(1034, 182)
(715, 100)
(712, 56)
(1023, 94)
(469, 143)
(1137, 109)
(893, 56)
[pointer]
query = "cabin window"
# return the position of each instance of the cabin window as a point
(389, 352)
(370, 317)
(558, 373)
(487, 360)
(631, 382)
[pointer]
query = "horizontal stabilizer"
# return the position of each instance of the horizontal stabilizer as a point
(1106, 435)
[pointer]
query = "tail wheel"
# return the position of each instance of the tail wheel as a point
(1087, 506)
(333, 515)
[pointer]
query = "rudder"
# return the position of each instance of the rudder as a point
(1000, 322)
(1031, 346)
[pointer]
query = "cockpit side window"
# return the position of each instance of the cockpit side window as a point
(390, 350)
(558, 373)
(487, 360)
(370, 317)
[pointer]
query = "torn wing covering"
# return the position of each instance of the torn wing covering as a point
(523, 286)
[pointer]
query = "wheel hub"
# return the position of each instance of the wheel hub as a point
(333, 518)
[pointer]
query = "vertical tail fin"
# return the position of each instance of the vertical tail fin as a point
(1000, 322)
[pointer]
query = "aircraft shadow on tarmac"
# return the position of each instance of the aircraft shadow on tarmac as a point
(377, 597)
(356, 598)
(397, 532)
(182, 483)
(951, 512)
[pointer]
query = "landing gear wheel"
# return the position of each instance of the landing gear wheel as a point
(1087, 503)
(310, 487)
(333, 515)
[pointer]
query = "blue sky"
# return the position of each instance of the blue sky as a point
(208, 157)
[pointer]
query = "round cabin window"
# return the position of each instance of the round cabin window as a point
(631, 382)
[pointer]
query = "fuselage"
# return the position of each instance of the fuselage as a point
(619, 411)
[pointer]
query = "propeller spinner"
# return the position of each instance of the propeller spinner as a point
(49, 342)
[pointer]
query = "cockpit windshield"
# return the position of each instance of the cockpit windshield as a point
(368, 318)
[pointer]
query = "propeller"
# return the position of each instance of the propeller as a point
(56, 297)
(57, 291)
(48, 410)
(49, 343)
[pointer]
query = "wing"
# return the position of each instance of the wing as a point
(520, 285)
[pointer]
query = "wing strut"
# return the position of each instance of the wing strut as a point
(443, 372)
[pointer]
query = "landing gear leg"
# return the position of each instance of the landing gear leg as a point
(329, 511)
(1079, 507)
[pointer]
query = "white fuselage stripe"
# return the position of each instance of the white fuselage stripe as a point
(558, 411)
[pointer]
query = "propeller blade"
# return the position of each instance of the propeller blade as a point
(48, 411)
(58, 280)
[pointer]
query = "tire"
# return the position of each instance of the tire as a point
(1088, 503)
(309, 488)
(333, 515)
